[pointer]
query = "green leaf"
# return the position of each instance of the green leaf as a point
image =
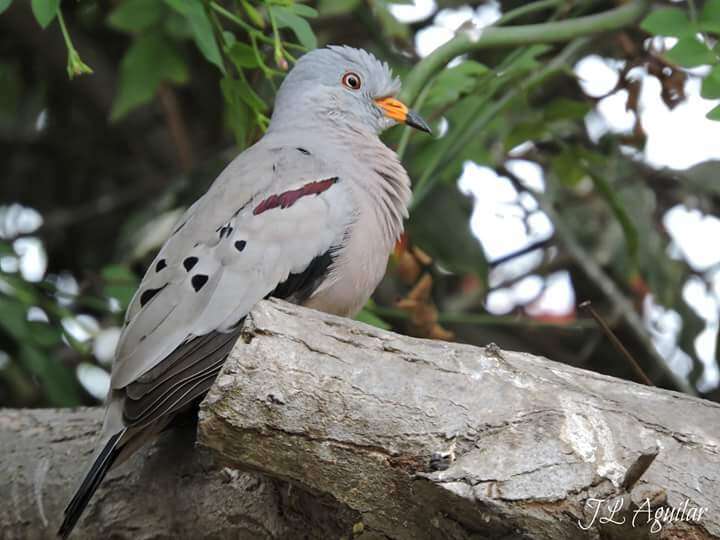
(692, 326)
(120, 283)
(177, 26)
(118, 272)
(149, 61)
(122, 293)
(205, 38)
(533, 130)
(59, 382)
(242, 55)
(619, 210)
(202, 29)
(12, 93)
(45, 11)
(237, 113)
(709, 20)
(689, 52)
(23, 292)
(565, 109)
(136, 15)
(286, 18)
(702, 178)
(711, 84)
(561, 115)
(253, 14)
(248, 95)
(440, 225)
(714, 114)
(4, 4)
(304, 11)
(526, 61)
(567, 167)
(13, 318)
(331, 8)
(228, 39)
(452, 83)
(368, 317)
(666, 22)
(43, 334)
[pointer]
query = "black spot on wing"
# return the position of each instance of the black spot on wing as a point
(303, 151)
(300, 286)
(240, 245)
(189, 263)
(149, 294)
(160, 265)
(198, 281)
(225, 230)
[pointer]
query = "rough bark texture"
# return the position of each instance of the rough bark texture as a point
(357, 432)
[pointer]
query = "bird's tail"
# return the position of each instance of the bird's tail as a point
(90, 483)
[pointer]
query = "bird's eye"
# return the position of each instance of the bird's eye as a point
(351, 80)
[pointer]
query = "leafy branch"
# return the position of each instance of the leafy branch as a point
(551, 32)
(483, 115)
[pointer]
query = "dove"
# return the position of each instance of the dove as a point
(309, 214)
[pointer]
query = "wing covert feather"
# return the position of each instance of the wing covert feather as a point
(223, 258)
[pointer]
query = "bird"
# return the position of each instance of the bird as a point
(310, 214)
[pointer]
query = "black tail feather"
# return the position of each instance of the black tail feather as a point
(91, 482)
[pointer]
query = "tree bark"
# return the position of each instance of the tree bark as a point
(354, 432)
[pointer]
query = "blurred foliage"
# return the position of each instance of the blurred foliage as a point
(161, 90)
(692, 48)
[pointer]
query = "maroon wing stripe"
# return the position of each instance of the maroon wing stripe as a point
(287, 198)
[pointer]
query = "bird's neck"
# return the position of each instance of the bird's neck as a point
(380, 182)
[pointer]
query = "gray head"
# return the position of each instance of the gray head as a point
(349, 87)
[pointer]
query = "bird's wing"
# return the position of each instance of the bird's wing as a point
(270, 222)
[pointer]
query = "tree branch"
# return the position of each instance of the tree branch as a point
(369, 433)
(594, 272)
(550, 32)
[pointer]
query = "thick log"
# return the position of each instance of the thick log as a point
(170, 490)
(357, 432)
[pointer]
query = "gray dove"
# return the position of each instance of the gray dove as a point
(310, 214)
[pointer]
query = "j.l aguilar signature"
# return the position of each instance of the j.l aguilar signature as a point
(612, 511)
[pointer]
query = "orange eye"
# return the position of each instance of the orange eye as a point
(351, 80)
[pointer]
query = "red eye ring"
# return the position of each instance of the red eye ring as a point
(351, 80)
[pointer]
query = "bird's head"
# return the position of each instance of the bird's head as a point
(347, 86)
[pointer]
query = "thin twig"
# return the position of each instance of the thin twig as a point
(109, 202)
(524, 251)
(523, 10)
(617, 343)
(485, 319)
(176, 127)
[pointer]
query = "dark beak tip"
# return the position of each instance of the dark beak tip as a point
(415, 120)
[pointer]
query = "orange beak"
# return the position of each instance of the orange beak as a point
(398, 111)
